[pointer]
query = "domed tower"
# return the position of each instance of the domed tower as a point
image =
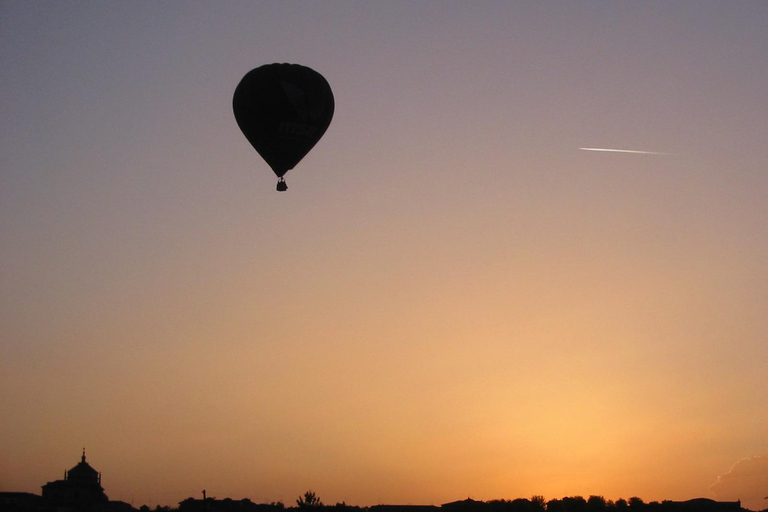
(83, 473)
(81, 487)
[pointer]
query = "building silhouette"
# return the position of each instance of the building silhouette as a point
(79, 491)
(81, 488)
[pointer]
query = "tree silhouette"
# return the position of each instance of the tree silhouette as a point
(309, 500)
(596, 504)
(538, 502)
(575, 504)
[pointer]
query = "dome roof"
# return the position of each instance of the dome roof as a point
(83, 472)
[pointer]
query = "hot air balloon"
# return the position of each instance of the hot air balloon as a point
(283, 110)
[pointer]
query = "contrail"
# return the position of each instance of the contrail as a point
(623, 151)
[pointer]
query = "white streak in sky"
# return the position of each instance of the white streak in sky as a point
(623, 151)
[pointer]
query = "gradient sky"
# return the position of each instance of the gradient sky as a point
(451, 300)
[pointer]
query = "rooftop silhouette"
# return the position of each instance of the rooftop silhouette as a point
(81, 491)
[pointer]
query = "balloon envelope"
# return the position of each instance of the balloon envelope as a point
(283, 110)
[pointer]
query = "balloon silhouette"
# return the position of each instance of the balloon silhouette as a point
(283, 110)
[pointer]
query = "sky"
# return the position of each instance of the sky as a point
(451, 300)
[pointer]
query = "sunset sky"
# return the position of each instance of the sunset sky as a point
(451, 300)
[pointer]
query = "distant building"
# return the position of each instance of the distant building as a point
(81, 489)
(702, 505)
(403, 508)
(467, 505)
(227, 505)
(19, 502)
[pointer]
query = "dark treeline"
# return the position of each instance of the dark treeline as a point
(81, 491)
(310, 502)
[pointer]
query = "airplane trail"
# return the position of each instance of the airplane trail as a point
(637, 152)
